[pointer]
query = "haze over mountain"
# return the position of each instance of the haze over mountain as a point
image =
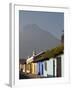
(32, 37)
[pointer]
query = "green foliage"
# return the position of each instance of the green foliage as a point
(50, 53)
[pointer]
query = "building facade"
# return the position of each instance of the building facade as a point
(54, 67)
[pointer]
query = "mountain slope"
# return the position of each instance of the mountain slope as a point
(34, 38)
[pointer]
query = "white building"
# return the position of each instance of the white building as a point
(54, 66)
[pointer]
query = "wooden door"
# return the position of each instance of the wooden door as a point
(58, 67)
(53, 68)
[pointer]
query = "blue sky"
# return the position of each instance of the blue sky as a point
(52, 22)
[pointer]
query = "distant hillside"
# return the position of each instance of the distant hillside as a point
(35, 38)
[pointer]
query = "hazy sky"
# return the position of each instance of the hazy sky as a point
(49, 22)
(52, 22)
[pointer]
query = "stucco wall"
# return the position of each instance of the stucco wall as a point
(49, 70)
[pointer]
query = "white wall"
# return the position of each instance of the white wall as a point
(55, 66)
(49, 67)
(44, 72)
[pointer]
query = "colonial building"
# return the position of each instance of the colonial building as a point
(54, 66)
(35, 67)
(48, 63)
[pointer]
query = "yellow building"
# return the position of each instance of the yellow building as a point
(32, 68)
(22, 63)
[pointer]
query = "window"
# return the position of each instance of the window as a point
(45, 65)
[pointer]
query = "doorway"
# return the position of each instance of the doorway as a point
(58, 73)
(42, 69)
